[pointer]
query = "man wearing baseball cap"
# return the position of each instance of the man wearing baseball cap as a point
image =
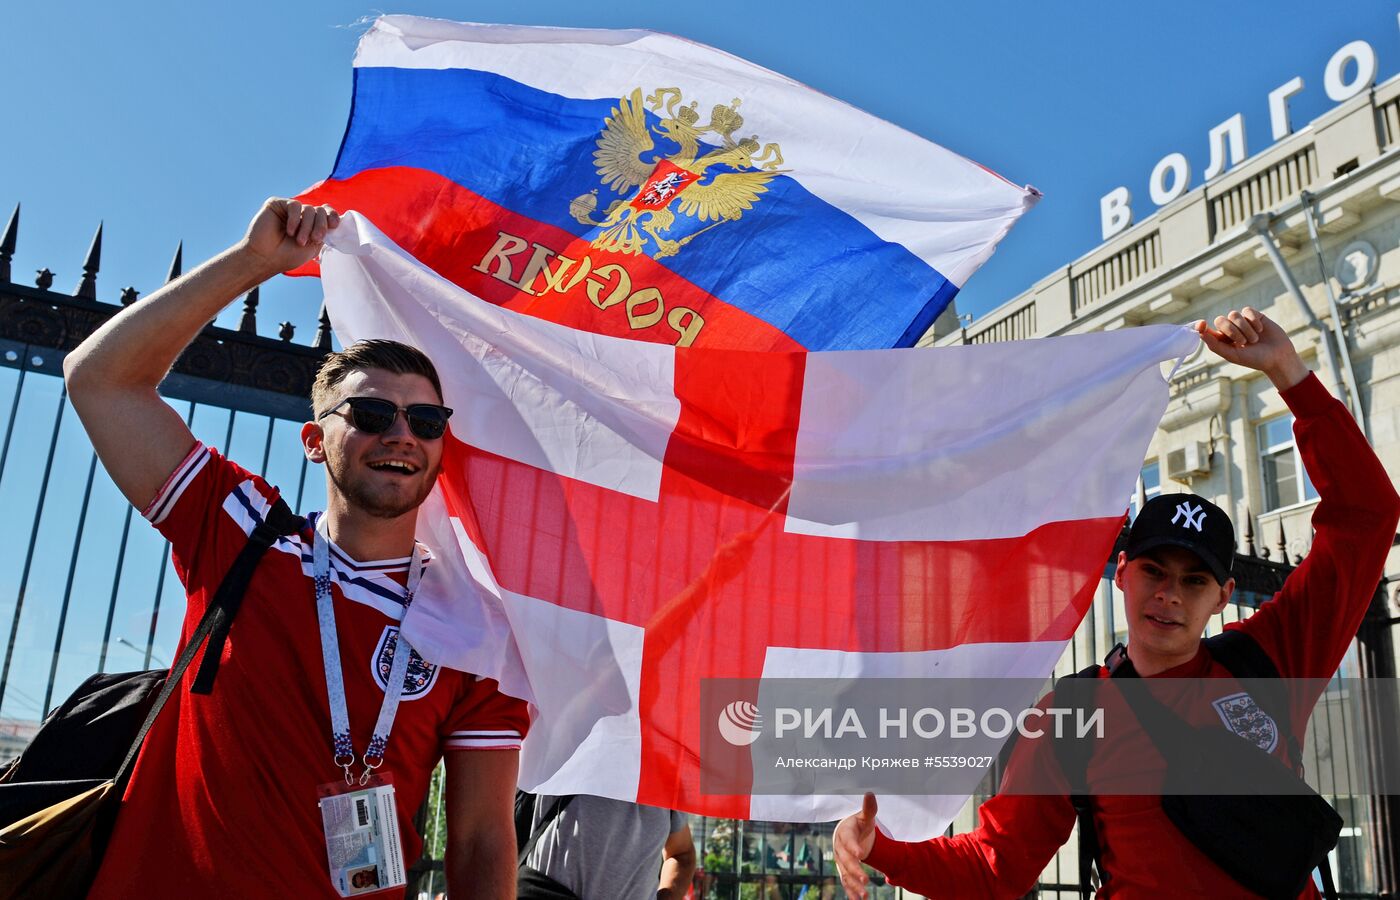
(1174, 574)
(1183, 538)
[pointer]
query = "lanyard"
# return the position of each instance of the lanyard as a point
(335, 680)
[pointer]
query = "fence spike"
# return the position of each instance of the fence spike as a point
(1249, 532)
(87, 286)
(248, 322)
(176, 264)
(323, 330)
(7, 244)
(1282, 543)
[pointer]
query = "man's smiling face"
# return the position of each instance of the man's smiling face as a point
(387, 474)
(1169, 594)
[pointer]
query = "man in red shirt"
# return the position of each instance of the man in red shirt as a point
(1170, 593)
(225, 799)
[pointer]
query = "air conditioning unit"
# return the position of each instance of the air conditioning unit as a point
(1185, 463)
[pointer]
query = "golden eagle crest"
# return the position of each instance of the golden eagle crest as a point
(715, 186)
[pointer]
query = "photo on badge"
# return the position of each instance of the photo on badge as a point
(362, 880)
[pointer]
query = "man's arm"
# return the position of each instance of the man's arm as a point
(112, 376)
(679, 866)
(481, 823)
(1306, 628)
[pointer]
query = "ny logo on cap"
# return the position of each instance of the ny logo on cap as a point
(1195, 518)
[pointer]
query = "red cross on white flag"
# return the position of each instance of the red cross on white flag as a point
(623, 519)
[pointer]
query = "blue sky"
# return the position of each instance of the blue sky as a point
(173, 121)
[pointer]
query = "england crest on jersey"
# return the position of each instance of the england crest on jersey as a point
(421, 674)
(1243, 716)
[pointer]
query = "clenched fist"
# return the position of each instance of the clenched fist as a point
(286, 233)
(1251, 339)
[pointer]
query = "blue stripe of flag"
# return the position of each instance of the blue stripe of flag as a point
(795, 261)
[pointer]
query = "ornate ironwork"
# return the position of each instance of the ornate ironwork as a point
(7, 244)
(1258, 577)
(248, 322)
(87, 286)
(323, 330)
(59, 321)
(177, 264)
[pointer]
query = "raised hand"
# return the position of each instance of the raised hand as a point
(852, 841)
(1253, 340)
(286, 233)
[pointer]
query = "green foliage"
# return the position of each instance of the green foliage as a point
(719, 847)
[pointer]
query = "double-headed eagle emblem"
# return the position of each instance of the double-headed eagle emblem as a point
(715, 186)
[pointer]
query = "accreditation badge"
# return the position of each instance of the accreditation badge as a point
(363, 848)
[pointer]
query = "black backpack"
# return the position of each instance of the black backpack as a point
(1250, 836)
(531, 884)
(92, 738)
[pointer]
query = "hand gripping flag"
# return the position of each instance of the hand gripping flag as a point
(645, 186)
(624, 519)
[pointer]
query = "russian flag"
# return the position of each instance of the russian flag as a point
(617, 521)
(641, 185)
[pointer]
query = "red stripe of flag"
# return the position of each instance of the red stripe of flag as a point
(453, 230)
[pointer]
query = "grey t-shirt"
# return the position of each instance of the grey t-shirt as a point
(603, 849)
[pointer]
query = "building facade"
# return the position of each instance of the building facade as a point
(1225, 433)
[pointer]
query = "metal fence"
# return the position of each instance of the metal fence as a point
(87, 585)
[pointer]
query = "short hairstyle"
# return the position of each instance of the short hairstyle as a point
(391, 356)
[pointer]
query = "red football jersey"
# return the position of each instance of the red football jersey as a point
(223, 800)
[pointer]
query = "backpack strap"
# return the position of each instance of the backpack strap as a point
(538, 831)
(279, 521)
(215, 623)
(524, 815)
(1329, 887)
(1073, 755)
(1241, 654)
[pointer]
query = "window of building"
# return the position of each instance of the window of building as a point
(1285, 481)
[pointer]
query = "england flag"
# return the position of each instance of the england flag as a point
(622, 519)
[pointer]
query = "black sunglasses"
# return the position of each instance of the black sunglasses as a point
(373, 415)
